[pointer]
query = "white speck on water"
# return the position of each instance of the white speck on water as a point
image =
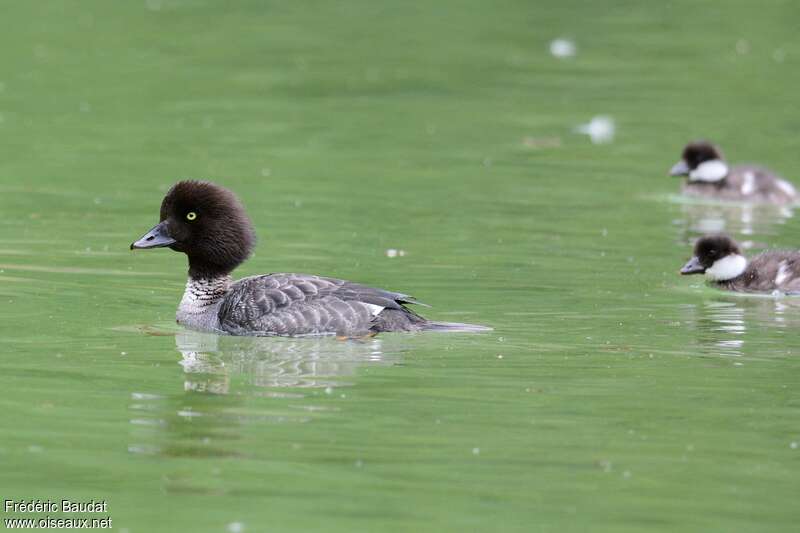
(394, 252)
(499, 356)
(266, 172)
(606, 465)
(359, 463)
(235, 527)
(626, 474)
(487, 162)
(123, 353)
(690, 447)
(328, 390)
(779, 55)
(600, 129)
(343, 396)
(144, 396)
(35, 448)
(562, 48)
(476, 451)
(147, 422)
(794, 445)
(144, 449)
(742, 47)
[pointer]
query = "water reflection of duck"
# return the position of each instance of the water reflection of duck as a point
(721, 328)
(725, 325)
(188, 424)
(737, 219)
(209, 360)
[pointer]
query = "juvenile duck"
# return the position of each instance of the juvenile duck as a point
(721, 260)
(709, 176)
(208, 223)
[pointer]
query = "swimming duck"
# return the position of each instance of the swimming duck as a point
(208, 223)
(721, 260)
(709, 176)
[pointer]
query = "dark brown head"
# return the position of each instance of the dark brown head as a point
(207, 223)
(716, 256)
(701, 161)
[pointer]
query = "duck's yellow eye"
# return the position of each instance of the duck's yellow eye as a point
(191, 215)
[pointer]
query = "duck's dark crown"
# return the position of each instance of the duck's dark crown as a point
(209, 224)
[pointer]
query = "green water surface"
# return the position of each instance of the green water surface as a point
(613, 395)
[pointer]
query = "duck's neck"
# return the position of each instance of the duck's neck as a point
(203, 292)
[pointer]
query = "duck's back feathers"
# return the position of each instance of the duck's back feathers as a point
(746, 183)
(768, 272)
(301, 304)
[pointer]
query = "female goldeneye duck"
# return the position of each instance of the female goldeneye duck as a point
(709, 176)
(721, 260)
(208, 223)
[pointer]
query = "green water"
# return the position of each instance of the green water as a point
(613, 395)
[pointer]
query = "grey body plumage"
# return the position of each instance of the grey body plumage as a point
(775, 270)
(301, 304)
(209, 225)
(745, 183)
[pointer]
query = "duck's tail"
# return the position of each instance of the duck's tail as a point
(454, 327)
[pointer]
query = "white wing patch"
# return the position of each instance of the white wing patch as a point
(786, 187)
(374, 309)
(749, 183)
(783, 273)
(709, 171)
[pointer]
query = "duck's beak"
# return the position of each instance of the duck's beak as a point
(679, 169)
(157, 237)
(693, 266)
